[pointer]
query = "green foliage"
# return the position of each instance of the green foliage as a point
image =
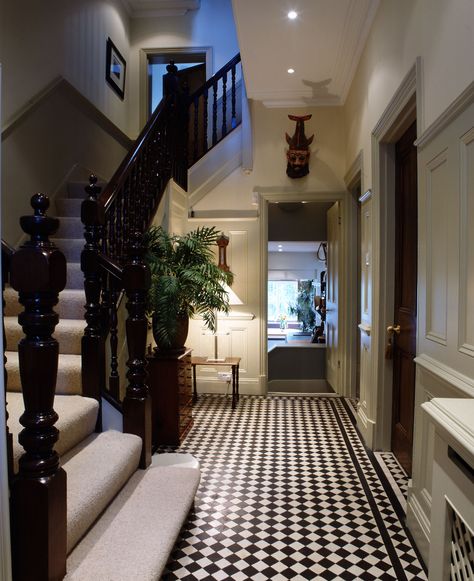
(185, 279)
(304, 308)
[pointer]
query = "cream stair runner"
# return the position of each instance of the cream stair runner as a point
(128, 519)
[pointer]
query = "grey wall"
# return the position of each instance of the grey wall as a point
(298, 222)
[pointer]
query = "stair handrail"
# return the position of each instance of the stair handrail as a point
(220, 73)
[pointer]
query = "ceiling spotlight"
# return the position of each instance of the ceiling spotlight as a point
(280, 250)
(291, 71)
(292, 14)
(280, 246)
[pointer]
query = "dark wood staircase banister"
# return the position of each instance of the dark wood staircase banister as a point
(220, 73)
(7, 253)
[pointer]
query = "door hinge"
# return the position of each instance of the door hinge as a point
(339, 220)
(338, 364)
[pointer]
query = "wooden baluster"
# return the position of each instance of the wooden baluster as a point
(214, 113)
(224, 105)
(38, 273)
(114, 378)
(137, 402)
(233, 122)
(6, 258)
(93, 343)
(206, 121)
(196, 128)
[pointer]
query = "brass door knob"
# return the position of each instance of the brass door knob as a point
(393, 329)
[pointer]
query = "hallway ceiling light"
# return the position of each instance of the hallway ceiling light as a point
(292, 14)
(291, 71)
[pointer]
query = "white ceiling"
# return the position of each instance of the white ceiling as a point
(323, 45)
(147, 8)
(293, 246)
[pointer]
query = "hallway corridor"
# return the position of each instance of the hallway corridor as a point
(288, 491)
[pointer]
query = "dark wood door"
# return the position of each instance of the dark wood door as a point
(404, 342)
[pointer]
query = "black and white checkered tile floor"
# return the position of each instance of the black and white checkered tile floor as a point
(288, 491)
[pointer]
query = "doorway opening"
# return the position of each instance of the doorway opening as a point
(296, 295)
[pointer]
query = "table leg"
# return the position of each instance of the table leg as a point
(195, 395)
(233, 387)
(237, 382)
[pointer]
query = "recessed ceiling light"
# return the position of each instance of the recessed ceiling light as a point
(304, 202)
(292, 14)
(280, 250)
(291, 71)
(280, 246)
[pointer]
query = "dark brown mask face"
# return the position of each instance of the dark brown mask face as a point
(298, 163)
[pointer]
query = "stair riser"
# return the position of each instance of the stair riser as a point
(70, 306)
(68, 207)
(70, 248)
(68, 381)
(75, 276)
(69, 339)
(70, 228)
(77, 189)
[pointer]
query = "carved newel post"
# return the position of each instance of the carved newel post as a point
(93, 341)
(38, 273)
(137, 402)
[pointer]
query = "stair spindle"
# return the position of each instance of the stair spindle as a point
(137, 402)
(233, 121)
(196, 128)
(214, 114)
(206, 120)
(38, 273)
(224, 105)
(93, 343)
(114, 378)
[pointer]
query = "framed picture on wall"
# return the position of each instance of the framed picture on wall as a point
(115, 68)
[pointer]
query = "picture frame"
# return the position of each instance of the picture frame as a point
(115, 69)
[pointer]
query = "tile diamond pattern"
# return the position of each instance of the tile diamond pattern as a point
(288, 491)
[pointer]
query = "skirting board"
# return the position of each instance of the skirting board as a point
(418, 526)
(366, 427)
(296, 386)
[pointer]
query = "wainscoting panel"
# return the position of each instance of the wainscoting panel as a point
(466, 270)
(437, 238)
(237, 259)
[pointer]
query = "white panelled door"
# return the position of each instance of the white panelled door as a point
(333, 363)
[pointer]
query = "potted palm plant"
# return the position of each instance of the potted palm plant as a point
(185, 281)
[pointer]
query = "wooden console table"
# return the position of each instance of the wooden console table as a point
(232, 362)
(169, 381)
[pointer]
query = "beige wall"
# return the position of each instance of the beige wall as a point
(441, 33)
(327, 162)
(40, 42)
(60, 133)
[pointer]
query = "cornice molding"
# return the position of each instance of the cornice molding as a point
(160, 8)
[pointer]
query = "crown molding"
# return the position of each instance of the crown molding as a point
(160, 8)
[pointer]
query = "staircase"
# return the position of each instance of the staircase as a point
(121, 516)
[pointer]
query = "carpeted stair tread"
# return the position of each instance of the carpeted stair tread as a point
(68, 207)
(75, 276)
(97, 469)
(70, 306)
(68, 333)
(69, 374)
(77, 419)
(135, 536)
(70, 227)
(70, 247)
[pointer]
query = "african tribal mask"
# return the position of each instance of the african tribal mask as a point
(298, 150)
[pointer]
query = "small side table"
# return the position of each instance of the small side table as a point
(232, 362)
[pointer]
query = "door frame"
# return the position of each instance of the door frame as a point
(143, 71)
(348, 322)
(402, 110)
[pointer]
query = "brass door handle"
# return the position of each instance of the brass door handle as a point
(393, 329)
